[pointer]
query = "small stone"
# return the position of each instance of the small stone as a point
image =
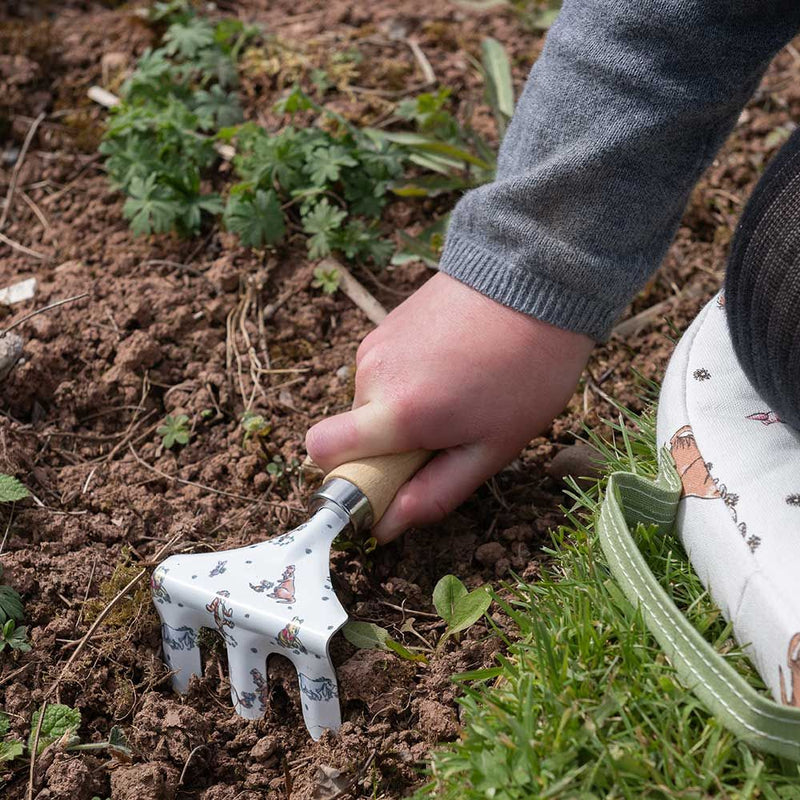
(490, 553)
(10, 352)
(579, 461)
(344, 373)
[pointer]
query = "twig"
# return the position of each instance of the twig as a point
(411, 611)
(356, 291)
(8, 528)
(422, 60)
(22, 249)
(357, 777)
(42, 310)
(633, 325)
(37, 211)
(186, 765)
(17, 167)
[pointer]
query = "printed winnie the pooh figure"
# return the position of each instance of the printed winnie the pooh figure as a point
(695, 477)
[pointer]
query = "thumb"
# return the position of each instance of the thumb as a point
(369, 430)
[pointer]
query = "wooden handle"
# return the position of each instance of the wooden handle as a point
(380, 477)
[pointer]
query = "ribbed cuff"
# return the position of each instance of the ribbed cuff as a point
(526, 291)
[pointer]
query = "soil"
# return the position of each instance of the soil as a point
(162, 331)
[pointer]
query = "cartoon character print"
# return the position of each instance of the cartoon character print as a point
(218, 570)
(793, 662)
(183, 638)
(284, 591)
(692, 469)
(160, 594)
(245, 699)
(765, 417)
(289, 638)
(318, 689)
(248, 699)
(721, 300)
(223, 617)
(282, 541)
(262, 691)
(262, 587)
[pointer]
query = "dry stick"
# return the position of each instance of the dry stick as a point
(42, 310)
(422, 60)
(79, 649)
(635, 324)
(356, 291)
(22, 249)
(186, 765)
(17, 166)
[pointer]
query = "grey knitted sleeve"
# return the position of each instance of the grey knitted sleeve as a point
(627, 104)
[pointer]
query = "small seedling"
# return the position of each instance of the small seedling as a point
(326, 279)
(369, 636)
(459, 608)
(278, 468)
(14, 637)
(174, 430)
(254, 427)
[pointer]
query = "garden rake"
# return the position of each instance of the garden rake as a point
(276, 596)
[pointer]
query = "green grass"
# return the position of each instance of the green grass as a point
(585, 705)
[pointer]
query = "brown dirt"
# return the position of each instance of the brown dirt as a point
(79, 418)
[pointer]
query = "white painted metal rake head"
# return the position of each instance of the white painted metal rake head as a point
(276, 596)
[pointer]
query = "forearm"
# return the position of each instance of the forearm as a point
(622, 112)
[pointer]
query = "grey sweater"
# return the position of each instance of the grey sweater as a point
(626, 106)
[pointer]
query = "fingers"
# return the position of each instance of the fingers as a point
(367, 430)
(437, 489)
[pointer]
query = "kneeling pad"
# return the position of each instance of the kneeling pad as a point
(739, 510)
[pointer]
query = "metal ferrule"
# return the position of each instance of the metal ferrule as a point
(347, 498)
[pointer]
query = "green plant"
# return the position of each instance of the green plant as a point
(278, 468)
(12, 635)
(451, 156)
(369, 636)
(11, 489)
(159, 143)
(254, 426)
(459, 608)
(585, 705)
(9, 748)
(326, 279)
(332, 184)
(60, 723)
(174, 430)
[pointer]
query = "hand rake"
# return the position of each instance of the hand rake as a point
(276, 596)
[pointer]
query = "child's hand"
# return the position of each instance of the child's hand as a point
(450, 370)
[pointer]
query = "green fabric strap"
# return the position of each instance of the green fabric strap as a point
(752, 716)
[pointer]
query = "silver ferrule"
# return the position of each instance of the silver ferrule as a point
(347, 498)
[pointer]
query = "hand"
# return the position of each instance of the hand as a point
(453, 371)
